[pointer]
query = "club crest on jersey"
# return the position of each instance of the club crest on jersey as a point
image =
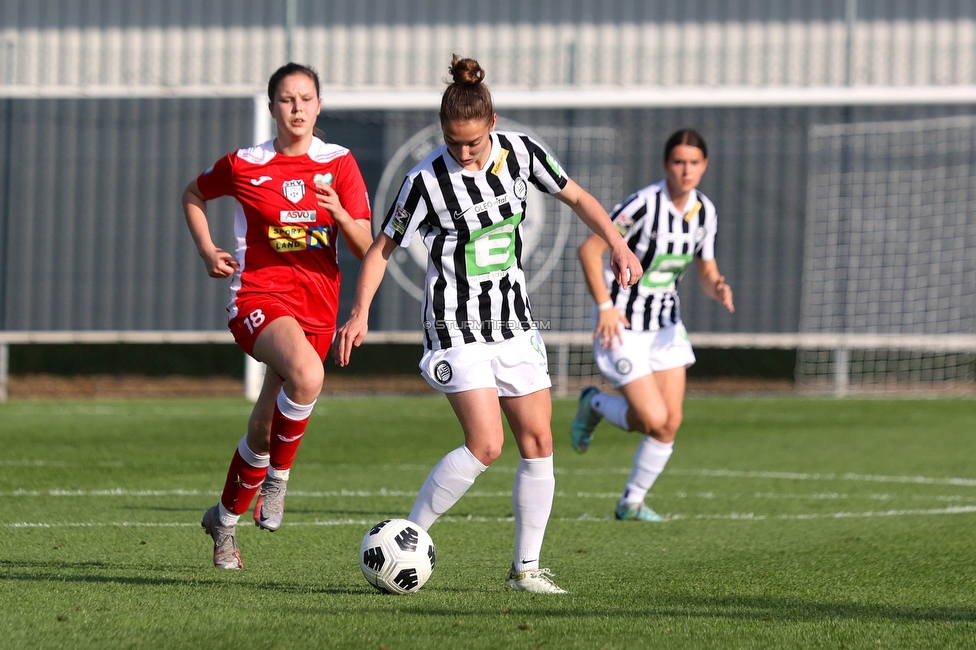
(520, 188)
(699, 234)
(624, 366)
(293, 190)
(443, 373)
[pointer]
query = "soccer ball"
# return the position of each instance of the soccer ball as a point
(397, 556)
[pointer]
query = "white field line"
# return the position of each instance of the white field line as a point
(952, 510)
(64, 410)
(711, 473)
(799, 476)
(734, 516)
(482, 494)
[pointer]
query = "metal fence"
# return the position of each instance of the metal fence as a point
(118, 46)
(94, 238)
(109, 107)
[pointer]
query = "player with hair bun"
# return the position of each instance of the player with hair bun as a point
(295, 194)
(640, 344)
(466, 200)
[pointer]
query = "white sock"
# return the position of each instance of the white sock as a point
(227, 518)
(613, 408)
(292, 410)
(532, 495)
(649, 462)
(445, 484)
(251, 458)
(282, 474)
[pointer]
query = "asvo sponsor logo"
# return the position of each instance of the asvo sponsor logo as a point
(492, 248)
(297, 216)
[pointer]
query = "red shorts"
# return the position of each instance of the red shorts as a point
(253, 315)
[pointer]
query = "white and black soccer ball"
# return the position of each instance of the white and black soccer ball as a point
(397, 556)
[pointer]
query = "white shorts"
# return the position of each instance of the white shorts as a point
(515, 367)
(642, 353)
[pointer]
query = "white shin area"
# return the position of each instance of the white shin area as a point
(292, 410)
(446, 483)
(532, 493)
(613, 408)
(649, 462)
(250, 457)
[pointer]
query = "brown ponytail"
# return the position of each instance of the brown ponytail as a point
(467, 99)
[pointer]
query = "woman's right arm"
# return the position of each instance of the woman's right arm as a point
(609, 321)
(371, 274)
(219, 263)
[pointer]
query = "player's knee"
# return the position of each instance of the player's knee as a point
(650, 422)
(307, 379)
(488, 453)
(537, 445)
(673, 424)
(667, 431)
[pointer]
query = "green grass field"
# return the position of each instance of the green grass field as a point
(794, 523)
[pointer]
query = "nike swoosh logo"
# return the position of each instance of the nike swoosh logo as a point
(529, 561)
(484, 206)
(258, 181)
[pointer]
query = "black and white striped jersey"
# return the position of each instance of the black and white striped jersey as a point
(471, 224)
(665, 240)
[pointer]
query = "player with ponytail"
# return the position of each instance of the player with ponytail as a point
(466, 200)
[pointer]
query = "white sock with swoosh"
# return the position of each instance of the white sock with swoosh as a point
(532, 493)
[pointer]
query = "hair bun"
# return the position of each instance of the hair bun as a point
(466, 72)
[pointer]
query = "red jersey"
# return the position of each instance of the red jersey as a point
(286, 242)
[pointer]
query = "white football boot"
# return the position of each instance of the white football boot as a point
(536, 581)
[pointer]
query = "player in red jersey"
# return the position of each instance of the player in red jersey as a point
(295, 194)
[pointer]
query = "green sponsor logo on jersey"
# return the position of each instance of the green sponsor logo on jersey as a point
(554, 165)
(537, 347)
(664, 271)
(492, 248)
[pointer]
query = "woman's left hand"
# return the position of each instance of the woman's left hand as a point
(328, 198)
(723, 294)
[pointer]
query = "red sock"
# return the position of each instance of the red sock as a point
(243, 482)
(286, 435)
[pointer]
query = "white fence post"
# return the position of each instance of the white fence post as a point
(4, 369)
(253, 377)
(562, 369)
(842, 371)
(254, 370)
